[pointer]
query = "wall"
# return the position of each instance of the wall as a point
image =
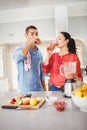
(78, 27)
(14, 21)
(10, 31)
(14, 31)
(3, 84)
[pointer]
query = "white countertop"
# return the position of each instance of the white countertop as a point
(45, 118)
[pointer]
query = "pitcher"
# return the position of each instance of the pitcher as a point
(68, 69)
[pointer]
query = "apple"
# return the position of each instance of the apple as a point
(26, 101)
(52, 46)
(33, 101)
(12, 101)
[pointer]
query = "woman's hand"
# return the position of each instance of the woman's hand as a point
(49, 51)
(50, 48)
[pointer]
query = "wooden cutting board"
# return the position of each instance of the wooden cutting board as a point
(30, 107)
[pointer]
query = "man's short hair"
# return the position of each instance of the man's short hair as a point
(30, 27)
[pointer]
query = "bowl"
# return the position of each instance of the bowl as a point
(51, 99)
(60, 105)
(80, 102)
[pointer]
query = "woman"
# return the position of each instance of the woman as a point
(53, 61)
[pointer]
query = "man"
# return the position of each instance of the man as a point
(29, 62)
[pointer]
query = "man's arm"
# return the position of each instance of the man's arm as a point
(26, 49)
(18, 55)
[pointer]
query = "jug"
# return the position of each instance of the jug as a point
(68, 70)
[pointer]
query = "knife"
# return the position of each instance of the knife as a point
(14, 107)
(9, 107)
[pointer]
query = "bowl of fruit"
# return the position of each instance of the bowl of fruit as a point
(79, 97)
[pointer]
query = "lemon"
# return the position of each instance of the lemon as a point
(33, 101)
(78, 93)
(76, 90)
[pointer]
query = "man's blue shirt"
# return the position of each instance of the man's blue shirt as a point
(29, 80)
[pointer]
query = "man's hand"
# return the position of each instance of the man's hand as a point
(38, 41)
(34, 40)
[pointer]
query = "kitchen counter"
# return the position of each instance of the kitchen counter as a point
(45, 118)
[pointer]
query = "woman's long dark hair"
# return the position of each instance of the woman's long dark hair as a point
(71, 44)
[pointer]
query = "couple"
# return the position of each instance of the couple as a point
(30, 65)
